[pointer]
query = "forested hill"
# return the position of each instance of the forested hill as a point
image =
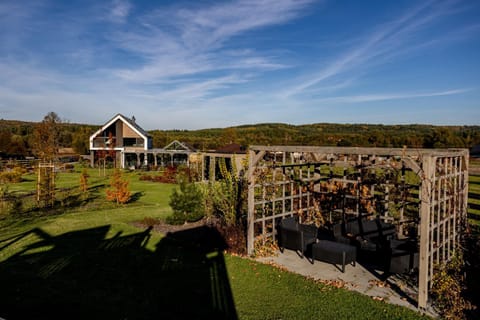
(16, 136)
(327, 134)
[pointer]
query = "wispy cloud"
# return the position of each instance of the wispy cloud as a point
(386, 42)
(391, 96)
(180, 42)
(119, 11)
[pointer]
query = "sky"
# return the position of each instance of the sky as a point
(205, 64)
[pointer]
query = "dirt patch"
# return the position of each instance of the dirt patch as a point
(234, 236)
(163, 227)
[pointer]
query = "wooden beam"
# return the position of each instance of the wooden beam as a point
(252, 161)
(425, 212)
(362, 151)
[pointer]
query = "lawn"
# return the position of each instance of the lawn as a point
(474, 202)
(89, 261)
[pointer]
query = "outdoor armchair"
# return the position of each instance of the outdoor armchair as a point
(295, 236)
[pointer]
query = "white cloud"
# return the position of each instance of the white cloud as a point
(180, 42)
(391, 96)
(119, 11)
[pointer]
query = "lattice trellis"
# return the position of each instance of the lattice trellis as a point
(424, 190)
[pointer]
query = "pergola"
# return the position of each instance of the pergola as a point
(425, 190)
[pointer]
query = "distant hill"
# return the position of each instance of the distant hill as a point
(15, 136)
(327, 134)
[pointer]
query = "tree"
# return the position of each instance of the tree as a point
(229, 136)
(46, 137)
(84, 181)
(5, 140)
(187, 203)
(80, 141)
(118, 191)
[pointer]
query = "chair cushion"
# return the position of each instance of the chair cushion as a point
(289, 223)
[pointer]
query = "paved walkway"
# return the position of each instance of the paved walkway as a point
(358, 278)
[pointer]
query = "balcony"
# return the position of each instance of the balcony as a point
(104, 142)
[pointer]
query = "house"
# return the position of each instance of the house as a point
(121, 140)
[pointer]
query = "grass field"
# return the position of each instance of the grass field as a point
(474, 196)
(89, 261)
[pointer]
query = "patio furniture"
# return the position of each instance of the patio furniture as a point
(339, 234)
(334, 252)
(295, 236)
(366, 235)
(372, 238)
(403, 256)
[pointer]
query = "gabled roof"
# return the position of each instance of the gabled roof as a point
(177, 145)
(131, 123)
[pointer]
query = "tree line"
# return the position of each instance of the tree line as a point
(326, 134)
(21, 139)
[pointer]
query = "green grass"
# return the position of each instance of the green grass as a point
(89, 261)
(474, 202)
(263, 292)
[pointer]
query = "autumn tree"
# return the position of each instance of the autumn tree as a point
(46, 137)
(119, 190)
(84, 181)
(228, 136)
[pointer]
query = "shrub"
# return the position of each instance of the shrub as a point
(8, 202)
(118, 190)
(448, 286)
(12, 175)
(170, 175)
(226, 197)
(84, 181)
(187, 203)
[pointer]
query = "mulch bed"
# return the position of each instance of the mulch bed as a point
(163, 227)
(234, 236)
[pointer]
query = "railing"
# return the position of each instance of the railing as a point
(105, 142)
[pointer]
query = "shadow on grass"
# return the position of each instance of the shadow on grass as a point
(84, 275)
(136, 196)
(474, 182)
(474, 195)
(474, 206)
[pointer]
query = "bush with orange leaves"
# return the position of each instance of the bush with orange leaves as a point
(118, 191)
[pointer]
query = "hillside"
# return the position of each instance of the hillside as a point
(16, 136)
(414, 135)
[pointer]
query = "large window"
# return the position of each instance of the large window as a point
(132, 142)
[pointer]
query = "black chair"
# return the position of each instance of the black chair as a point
(403, 256)
(339, 234)
(295, 236)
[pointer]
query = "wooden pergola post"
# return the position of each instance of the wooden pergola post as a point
(425, 211)
(251, 203)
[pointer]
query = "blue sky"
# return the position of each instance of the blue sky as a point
(204, 64)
